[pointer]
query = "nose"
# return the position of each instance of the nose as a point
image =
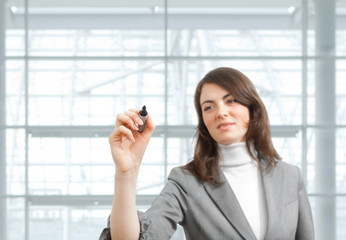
(222, 111)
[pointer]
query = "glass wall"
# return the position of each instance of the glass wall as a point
(71, 66)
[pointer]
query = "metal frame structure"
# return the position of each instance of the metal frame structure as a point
(3, 189)
(173, 18)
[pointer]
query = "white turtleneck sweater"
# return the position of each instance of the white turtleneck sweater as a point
(245, 178)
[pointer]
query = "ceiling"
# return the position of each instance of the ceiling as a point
(152, 3)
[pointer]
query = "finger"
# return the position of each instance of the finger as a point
(134, 115)
(124, 119)
(134, 110)
(127, 133)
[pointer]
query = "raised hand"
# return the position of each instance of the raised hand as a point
(127, 144)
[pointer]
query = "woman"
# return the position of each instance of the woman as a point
(235, 187)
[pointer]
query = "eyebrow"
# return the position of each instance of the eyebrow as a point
(211, 101)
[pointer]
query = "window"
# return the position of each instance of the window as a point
(72, 66)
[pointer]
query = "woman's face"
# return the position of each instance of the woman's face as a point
(226, 119)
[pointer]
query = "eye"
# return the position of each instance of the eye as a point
(231, 101)
(207, 108)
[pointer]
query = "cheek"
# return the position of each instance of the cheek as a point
(245, 117)
(206, 120)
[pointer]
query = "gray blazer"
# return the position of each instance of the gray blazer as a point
(212, 212)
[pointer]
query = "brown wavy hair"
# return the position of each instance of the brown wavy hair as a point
(205, 162)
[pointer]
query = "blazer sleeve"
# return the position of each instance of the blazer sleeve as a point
(305, 228)
(106, 232)
(161, 219)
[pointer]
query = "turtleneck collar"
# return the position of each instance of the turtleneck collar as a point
(235, 154)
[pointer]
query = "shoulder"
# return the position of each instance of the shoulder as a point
(178, 172)
(183, 178)
(288, 168)
(280, 164)
(292, 173)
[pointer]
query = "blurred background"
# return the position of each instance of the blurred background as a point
(69, 66)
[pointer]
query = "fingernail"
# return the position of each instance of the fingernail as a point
(135, 127)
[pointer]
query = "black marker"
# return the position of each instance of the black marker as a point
(143, 115)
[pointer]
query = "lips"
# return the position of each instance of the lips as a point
(225, 125)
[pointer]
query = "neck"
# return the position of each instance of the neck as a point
(235, 154)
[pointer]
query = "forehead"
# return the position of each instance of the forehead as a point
(212, 91)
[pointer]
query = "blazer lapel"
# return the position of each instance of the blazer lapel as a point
(274, 188)
(224, 197)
